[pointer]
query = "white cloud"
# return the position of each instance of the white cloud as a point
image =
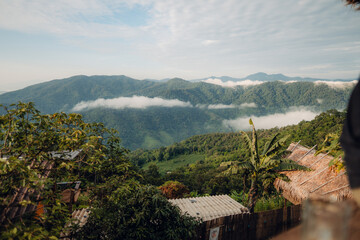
(232, 84)
(187, 38)
(224, 106)
(209, 42)
(68, 18)
(139, 102)
(248, 105)
(337, 84)
(287, 82)
(221, 106)
(319, 100)
(274, 120)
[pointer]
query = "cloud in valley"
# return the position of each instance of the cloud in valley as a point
(294, 116)
(220, 106)
(337, 84)
(231, 84)
(319, 100)
(248, 105)
(224, 106)
(139, 102)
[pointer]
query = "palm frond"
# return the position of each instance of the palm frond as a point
(284, 177)
(246, 139)
(276, 146)
(245, 165)
(254, 140)
(231, 170)
(249, 145)
(268, 144)
(226, 164)
(291, 166)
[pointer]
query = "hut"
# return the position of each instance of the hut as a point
(222, 217)
(210, 207)
(321, 182)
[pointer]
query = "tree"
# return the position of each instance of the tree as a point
(34, 156)
(262, 168)
(174, 189)
(140, 213)
(152, 175)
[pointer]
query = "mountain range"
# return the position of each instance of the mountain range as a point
(150, 114)
(261, 76)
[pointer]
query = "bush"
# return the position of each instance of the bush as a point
(140, 213)
(174, 189)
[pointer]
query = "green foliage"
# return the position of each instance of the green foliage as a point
(262, 168)
(274, 201)
(225, 147)
(176, 162)
(222, 151)
(152, 175)
(331, 145)
(140, 213)
(28, 141)
(264, 203)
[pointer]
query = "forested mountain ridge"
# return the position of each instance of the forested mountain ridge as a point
(204, 106)
(64, 94)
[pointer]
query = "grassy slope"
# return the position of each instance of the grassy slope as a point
(178, 161)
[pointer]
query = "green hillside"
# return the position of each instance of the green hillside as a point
(63, 94)
(153, 127)
(222, 147)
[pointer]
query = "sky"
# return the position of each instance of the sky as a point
(41, 40)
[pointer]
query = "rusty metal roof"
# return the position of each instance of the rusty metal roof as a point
(80, 216)
(210, 207)
(14, 209)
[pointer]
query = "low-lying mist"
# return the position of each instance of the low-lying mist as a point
(141, 102)
(232, 84)
(293, 116)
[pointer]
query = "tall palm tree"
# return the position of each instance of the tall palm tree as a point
(263, 168)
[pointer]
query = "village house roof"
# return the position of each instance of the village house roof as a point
(320, 182)
(210, 207)
(24, 193)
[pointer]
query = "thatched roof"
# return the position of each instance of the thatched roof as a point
(321, 182)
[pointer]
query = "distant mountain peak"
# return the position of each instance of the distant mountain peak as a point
(261, 76)
(267, 77)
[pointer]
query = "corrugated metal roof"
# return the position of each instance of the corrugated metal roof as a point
(211, 207)
(66, 155)
(80, 216)
(24, 193)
